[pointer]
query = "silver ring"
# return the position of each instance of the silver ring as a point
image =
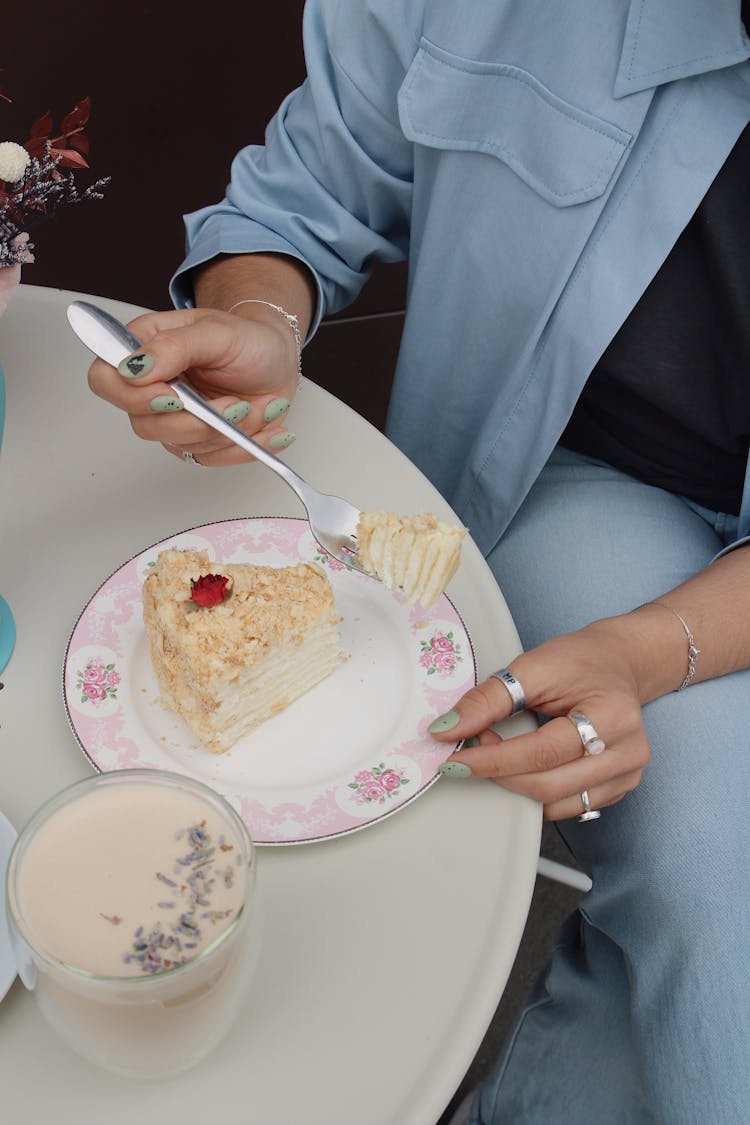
(513, 686)
(587, 732)
(588, 813)
(188, 458)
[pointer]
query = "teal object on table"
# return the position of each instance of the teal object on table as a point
(7, 624)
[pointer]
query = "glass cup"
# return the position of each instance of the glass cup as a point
(170, 989)
(7, 625)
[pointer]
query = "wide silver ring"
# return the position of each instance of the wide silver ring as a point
(587, 732)
(188, 458)
(513, 687)
(588, 813)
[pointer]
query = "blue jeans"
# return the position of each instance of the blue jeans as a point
(644, 1012)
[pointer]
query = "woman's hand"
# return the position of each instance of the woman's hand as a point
(591, 671)
(245, 368)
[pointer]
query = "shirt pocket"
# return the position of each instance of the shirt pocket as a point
(564, 153)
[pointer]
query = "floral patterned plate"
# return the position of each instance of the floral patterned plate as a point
(350, 752)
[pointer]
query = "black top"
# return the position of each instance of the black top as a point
(669, 401)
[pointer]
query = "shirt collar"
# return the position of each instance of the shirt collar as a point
(670, 39)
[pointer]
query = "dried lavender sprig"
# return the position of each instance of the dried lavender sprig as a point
(11, 255)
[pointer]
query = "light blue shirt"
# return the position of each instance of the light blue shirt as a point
(535, 162)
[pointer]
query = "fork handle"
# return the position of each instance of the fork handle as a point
(196, 405)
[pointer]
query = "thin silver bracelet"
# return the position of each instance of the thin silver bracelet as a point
(693, 651)
(291, 319)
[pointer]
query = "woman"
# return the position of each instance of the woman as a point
(567, 180)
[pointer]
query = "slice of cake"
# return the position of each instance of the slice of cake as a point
(271, 635)
(417, 554)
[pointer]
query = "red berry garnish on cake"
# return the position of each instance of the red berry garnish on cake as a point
(210, 589)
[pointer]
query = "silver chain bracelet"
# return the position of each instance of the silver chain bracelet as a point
(693, 650)
(291, 319)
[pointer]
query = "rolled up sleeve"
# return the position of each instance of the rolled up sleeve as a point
(332, 184)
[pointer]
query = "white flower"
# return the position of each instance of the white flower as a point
(14, 160)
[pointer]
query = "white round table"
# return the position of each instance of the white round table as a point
(386, 951)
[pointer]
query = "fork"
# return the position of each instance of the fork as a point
(333, 520)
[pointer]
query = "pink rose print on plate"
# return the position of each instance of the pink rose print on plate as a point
(440, 654)
(97, 681)
(378, 784)
(328, 560)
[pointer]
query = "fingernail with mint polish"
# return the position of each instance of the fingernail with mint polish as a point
(469, 742)
(165, 404)
(139, 363)
(236, 412)
(275, 408)
(281, 441)
(444, 722)
(455, 769)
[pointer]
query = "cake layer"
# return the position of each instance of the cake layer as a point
(417, 554)
(226, 668)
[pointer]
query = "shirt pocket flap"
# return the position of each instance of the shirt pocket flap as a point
(564, 153)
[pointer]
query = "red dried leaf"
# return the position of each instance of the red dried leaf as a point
(69, 158)
(77, 117)
(42, 127)
(80, 142)
(35, 147)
